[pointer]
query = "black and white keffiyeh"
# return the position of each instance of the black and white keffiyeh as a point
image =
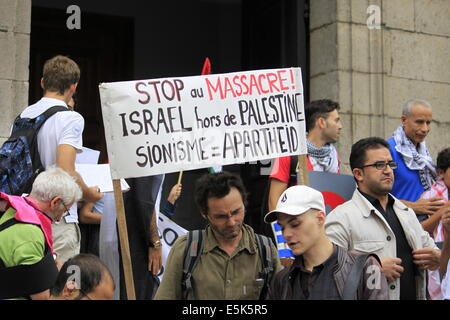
(416, 159)
(325, 156)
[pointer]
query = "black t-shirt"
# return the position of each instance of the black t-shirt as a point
(404, 251)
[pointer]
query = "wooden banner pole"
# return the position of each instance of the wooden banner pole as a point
(124, 244)
(180, 176)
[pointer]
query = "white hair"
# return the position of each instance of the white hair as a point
(55, 182)
(409, 104)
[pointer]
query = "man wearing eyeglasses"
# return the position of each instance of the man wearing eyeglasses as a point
(27, 261)
(374, 221)
(224, 261)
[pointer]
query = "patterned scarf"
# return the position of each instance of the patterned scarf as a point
(416, 159)
(325, 156)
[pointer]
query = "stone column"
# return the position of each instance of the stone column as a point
(15, 22)
(371, 72)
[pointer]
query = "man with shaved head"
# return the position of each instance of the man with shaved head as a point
(416, 171)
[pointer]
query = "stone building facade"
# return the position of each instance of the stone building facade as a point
(370, 71)
(15, 22)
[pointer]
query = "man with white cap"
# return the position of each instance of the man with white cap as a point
(321, 269)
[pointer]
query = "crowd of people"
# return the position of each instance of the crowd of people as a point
(390, 241)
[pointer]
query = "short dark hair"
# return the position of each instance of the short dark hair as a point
(217, 185)
(318, 109)
(443, 159)
(92, 272)
(358, 153)
(59, 73)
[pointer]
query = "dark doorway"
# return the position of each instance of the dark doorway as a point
(274, 36)
(103, 48)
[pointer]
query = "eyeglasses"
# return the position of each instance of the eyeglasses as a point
(381, 165)
(67, 212)
(83, 294)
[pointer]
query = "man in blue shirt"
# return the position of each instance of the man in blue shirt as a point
(416, 171)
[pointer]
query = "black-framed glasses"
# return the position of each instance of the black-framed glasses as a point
(82, 294)
(381, 165)
(67, 212)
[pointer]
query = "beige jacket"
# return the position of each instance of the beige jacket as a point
(357, 225)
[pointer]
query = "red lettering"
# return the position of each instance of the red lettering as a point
(272, 79)
(253, 83)
(212, 89)
(228, 87)
(143, 92)
(282, 80)
(260, 84)
(244, 83)
(237, 84)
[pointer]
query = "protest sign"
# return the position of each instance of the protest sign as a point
(173, 124)
(169, 232)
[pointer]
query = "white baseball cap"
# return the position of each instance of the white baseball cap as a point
(295, 201)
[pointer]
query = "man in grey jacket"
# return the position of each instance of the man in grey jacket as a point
(321, 270)
(374, 221)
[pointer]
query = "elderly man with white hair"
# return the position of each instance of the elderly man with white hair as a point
(416, 171)
(27, 261)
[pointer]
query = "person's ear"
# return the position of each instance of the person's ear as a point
(42, 84)
(358, 174)
(55, 203)
(320, 123)
(70, 291)
(320, 216)
(404, 118)
(441, 173)
(204, 215)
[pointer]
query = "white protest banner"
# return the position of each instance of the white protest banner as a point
(169, 231)
(172, 124)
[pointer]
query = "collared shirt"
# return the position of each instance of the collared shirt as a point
(217, 275)
(404, 251)
(304, 280)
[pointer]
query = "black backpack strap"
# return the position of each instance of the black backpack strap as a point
(3, 226)
(192, 254)
(31, 133)
(41, 118)
(265, 254)
(354, 277)
(51, 111)
(25, 280)
(8, 224)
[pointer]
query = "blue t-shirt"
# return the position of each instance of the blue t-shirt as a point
(407, 185)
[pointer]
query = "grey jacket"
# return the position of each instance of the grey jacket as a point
(372, 286)
(357, 225)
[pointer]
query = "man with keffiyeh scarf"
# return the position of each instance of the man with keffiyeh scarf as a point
(324, 126)
(416, 171)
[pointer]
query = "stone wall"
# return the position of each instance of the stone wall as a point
(372, 72)
(15, 19)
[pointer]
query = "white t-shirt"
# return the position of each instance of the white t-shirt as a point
(62, 128)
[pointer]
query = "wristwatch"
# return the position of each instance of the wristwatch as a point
(157, 244)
